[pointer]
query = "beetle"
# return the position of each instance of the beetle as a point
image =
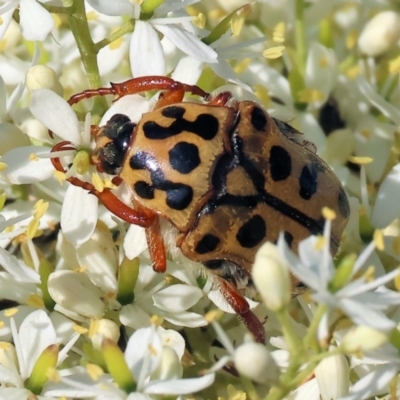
(225, 175)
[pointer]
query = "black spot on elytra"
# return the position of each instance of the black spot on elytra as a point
(179, 195)
(144, 190)
(308, 182)
(173, 112)
(184, 157)
(252, 232)
(207, 243)
(205, 125)
(343, 203)
(258, 119)
(280, 163)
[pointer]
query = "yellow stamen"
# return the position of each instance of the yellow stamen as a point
(273, 52)
(360, 160)
(394, 65)
(156, 320)
(328, 213)
(34, 300)
(199, 20)
(97, 182)
(309, 95)
(10, 312)
(80, 329)
(94, 371)
(379, 239)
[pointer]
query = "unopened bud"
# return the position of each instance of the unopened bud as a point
(103, 329)
(363, 338)
(380, 34)
(271, 277)
(43, 77)
(255, 362)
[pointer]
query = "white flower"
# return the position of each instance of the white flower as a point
(362, 301)
(146, 51)
(35, 341)
(36, 23)
(154, 367)
(154, 297)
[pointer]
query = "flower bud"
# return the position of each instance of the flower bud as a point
(43, 77)
(271, 277)
(332, 375)
(363, 338)
(103, 329)
(255, 362)
(380, 34)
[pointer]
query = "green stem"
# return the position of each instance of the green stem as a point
(310, 339)
(295, 344)
(127, 27)
(88, 51)
(301, 46)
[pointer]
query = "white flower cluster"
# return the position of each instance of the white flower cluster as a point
(82, 312)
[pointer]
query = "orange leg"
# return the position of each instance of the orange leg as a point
(240, 306)
(142, 218)
(156, 246)
(139, 85)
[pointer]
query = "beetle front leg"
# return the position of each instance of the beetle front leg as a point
(241, 307)
(140, 85)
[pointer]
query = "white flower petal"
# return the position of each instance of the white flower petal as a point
(134, 316)
(11, 137)
(135, 242)
(172, 339)
(143, 352)
(188, 43)
(332, 375)
(362, 315)
(177, 298)
(113, 8)
(35, 333)
(100, 263)
(110, 57)
(35, 21)
(321, 70)
(188, 70)
(23, 166)
(6, 19)
(372, 383)
(133, 106)
(146, 53)
(12, 288)
(78, 215)
(387, 206)
(188, 319)
(75, 292)
(180, 386)
(56, 114)
(17, 268)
